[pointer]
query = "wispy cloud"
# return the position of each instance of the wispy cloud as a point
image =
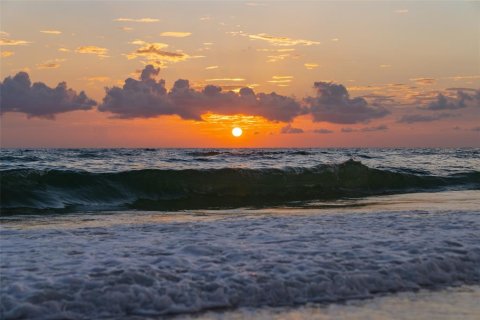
(140, 20)
(126, 29)
(423, 81)
(175, 34)
(6, 54)
(99, 51)
(282, 41)
(401, 11)
(12, 42)
(282, 81)
(322, 131)
(50, 64)
(63, 50)
(412, 118)
(225, 79)
(52, 32)
(381, 127)
(459, 78)
(211, 67)
(311, 66)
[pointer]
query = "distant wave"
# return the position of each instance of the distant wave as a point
(24, 190)
(247, 153)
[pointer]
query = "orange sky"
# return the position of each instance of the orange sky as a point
(410, 73)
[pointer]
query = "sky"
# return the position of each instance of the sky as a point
(289, 73)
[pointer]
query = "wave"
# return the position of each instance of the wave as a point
(247, 153)
(153, 189)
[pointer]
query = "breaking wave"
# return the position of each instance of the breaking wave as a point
(33, 190)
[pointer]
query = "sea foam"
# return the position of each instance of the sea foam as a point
(71, 269)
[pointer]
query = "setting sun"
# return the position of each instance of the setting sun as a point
(237, 132)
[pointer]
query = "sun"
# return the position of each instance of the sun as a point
(237, 132)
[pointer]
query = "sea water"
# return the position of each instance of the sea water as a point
(236, 233)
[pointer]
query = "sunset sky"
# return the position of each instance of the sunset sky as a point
(290, 74)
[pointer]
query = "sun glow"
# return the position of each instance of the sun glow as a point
(237, 132)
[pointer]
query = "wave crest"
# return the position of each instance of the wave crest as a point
(208, 188)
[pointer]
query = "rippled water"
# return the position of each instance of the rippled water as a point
(432, 161)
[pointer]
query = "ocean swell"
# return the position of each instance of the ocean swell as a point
(32, 189)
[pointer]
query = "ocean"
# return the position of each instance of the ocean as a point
(240, 233)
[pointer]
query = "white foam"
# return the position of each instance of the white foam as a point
(83, 270)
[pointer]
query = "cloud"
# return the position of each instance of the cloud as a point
(458, 78)
(282, 41)
(381, 127)
(423, 81)
(476, 129)
(18, 94)
(175, 34)
(281, 81)
(225, 79)
(311, 66)
(141, 20)
(6, 54)
(155, 54)
(63, 50)
(401, 11)
(323, 131)
(11, 42)
(288, 129)
(99, 51)
(385, 65)
(146, 97)
(333, 104)
(412, 118)
(126, 29)
(211, 67)
(52, 32)
(51, 64)
(462, 100)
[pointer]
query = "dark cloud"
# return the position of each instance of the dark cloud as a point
(463, 99)
(147, 97)
(17, 94)
(381, 127)
(288, 129)
(477, 129)
(412, 118)
(333, 104)
(323, 131)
